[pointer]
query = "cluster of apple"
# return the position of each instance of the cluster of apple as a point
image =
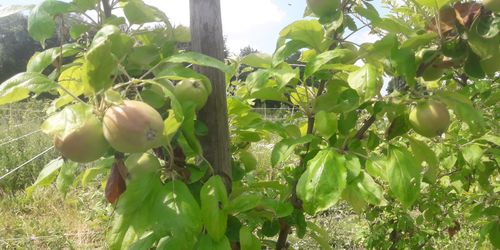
(131, 127)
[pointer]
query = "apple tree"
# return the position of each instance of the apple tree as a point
(417, 161)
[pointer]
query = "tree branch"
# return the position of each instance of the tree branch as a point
(296, 202)
(361, 132)
(107, 8)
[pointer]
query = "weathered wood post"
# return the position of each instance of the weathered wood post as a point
(207, 38)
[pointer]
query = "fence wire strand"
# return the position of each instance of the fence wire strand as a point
(26, 163)
(20, 137)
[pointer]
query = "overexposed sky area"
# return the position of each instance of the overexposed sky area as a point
(245, 22)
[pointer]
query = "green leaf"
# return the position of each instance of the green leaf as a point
(189, 131)
(248, 241)
(403, 61)
(347, 122)
(280, 209)
(137, 12)
(346, 101)
(353, 167)
(403, 174)
(472, 154)
(321, 185)
(423, 153)
(248, 160)
(283, 149)
(353, 197)
(377, 166)
(121, 44)
(66, 176)
(464, 110)
(242, 203)
(399, 126)
(370, 190)
(494, 234)
(433, 4)
(309, 32)
(472, 65)
(207, 243)
(331, 56)
(369, 12)
(325, 123)
(257, 60)
(41, 24)
(101, 167)
(214, 199)
(199, 59)
(13, 9)
(481, 46)
(149, 206)
(40, 60)
(19, 86)
(99, 66)
(77, 30)
(286, 50)
(417, 41)
(144, 55)
(68, 120)
(181, 73)
(366, 81)
(491, 138)
(47, 175)
(84, 5)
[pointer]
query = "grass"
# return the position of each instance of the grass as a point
(47, 219)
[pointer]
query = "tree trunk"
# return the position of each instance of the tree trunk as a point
(206, 33)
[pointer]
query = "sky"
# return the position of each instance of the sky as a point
(245, 22)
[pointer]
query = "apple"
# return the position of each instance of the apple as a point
(85, 144)
(140, 164)
(323, 8)
(430, 118)
(191, 91)
(133, 127)
(432, 73)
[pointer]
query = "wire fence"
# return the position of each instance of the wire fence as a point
(271, 114)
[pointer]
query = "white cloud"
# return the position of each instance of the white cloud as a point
(241, 19)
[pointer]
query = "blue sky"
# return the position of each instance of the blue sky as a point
(245, 22)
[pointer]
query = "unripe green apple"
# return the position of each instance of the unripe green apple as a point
(430, 118)
(85, 144)
(133, 127)
(323, 8)
(432, 73)
(191, 91)
(142, 164)
(493, 5)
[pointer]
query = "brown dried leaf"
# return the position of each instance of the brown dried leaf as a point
(115, 185)
(466, 13)
(447, 22)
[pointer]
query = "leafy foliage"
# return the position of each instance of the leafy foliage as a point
(348, 141)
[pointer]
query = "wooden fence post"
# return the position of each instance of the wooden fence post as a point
(207, 38)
